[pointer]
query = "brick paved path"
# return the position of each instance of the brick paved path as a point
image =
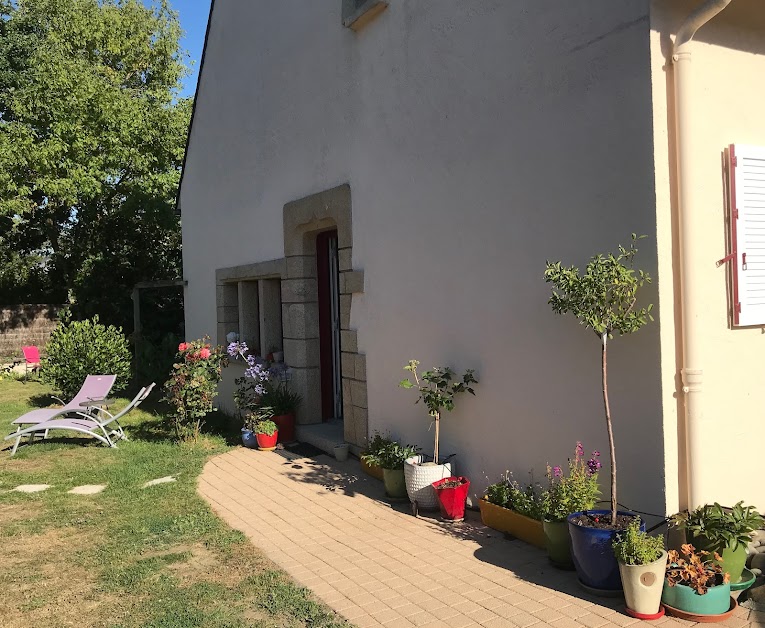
(326, 524)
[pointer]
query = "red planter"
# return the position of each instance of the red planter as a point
(266, 442)
(451, 500)
(286, 425)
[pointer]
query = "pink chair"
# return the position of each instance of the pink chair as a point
(31, 359)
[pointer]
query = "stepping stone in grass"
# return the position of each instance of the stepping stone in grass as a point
(164, 480)
(87, 489)
(31, 488)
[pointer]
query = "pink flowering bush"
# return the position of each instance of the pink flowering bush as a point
(574, 492)
(193, 385)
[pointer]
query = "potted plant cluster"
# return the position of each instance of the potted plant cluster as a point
(515, 509)
(376, 444)
(452, 494)
(566, 494)
(284, 403)
(390, 458)
(604, 299)
(437, 389)
(695, 586)
(724, 532)
(642, 563)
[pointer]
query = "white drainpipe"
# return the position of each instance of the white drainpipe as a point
(692, 255)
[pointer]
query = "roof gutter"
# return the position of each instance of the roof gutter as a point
(692, 255)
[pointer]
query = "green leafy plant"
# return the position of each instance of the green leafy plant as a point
(527, 500)
(193, 385)
(721, 526)
(281, 399)
(266, 427)
(634, 547)
(693, 570)
(574, 492)
(258, 415)
(437, 390)
(80, 348)
(604, 299)
(376, 443)
(390, 455)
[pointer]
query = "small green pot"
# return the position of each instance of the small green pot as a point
(733, 558)
(558, 543)
(395, 485)
(714, 602)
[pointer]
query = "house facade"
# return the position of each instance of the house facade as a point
(372, 182)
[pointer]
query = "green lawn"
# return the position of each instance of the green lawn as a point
(128, 556)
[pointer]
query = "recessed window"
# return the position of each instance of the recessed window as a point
(253, 309)
(358, 13)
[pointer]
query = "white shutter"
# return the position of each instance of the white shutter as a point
(748, 233)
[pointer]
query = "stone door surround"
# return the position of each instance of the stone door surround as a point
(303, 219)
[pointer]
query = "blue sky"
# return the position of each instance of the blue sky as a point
(193, 15)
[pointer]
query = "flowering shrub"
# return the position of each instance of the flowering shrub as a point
(252, 386)
(575, 492)
(193, 385)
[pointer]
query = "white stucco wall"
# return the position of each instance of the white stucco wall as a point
(728, 57)
(480, 138)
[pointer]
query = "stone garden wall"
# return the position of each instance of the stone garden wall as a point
(22, 325)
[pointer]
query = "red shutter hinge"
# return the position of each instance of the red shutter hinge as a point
(735, 214)
(727, 258)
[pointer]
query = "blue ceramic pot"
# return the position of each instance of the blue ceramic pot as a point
(593, 555)
(249, 439)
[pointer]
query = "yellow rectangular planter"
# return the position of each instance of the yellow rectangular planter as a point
(375, 471)
(511, 522)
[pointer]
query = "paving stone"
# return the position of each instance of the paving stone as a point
(164, 480)
(32, 488)
(87, 489)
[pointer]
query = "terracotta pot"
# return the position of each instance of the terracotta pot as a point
(511, 522)
(286, 426)
(643, 585)
(373, 470)
(266, 442)
(451, 500)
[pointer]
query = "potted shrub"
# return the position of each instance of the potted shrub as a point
(437, 389)
(695, 585)
(390, 458)
(266, 433)
(603, 299)
(515, 510)
(452, 493)
(723, 531)
(284, 402)
(376, 444)
(567, 494)
(251, 388)
(642, 563)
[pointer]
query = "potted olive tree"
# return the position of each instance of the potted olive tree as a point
(437, 389)
(642, 562)
(723, 531)
(604, 299)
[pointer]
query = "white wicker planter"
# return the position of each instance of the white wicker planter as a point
(419, 478)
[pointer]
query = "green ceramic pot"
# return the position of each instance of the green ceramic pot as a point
(714, 602)
(558, 543)
(395, 485)
(733, 558)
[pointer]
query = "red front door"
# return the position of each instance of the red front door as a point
(329, 325)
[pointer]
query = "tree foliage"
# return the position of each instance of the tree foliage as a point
(92, 134)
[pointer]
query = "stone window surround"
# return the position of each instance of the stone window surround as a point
(357, 14)
(303, 219)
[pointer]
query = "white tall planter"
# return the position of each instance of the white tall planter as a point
(419, 478)
(643, 585)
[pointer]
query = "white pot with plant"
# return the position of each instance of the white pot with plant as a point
(437, 389)
(642, 562)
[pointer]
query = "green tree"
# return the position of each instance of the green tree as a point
(92, 134)
(603, 298)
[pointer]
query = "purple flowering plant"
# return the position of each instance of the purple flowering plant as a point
(252, 386)
(577, 491)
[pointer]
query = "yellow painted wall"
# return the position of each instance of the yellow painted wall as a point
(728, 57)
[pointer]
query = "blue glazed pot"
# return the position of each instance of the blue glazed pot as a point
(249, 439)
(593, 555)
